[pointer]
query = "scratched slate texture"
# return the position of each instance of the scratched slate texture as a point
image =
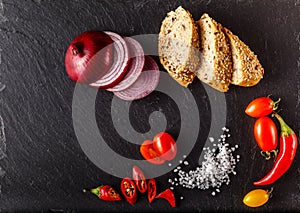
(45, 168)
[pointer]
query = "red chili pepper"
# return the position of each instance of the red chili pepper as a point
(139, 178)
(169, 196)
(288, 148)
(105, 192)
(151, 190)
(128, 189)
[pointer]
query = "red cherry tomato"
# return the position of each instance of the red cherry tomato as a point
(139, 179)
(151, 190)
(149, 153)
(165, 146)
(128, 189)
(262, 106)
(265, 133)
(169, 196)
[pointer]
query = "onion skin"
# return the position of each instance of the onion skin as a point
(89, 56)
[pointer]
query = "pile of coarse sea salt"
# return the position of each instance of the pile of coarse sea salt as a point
(219, 162)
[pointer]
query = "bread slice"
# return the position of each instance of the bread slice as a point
(215, 67)
(247, 70)
(178, 44)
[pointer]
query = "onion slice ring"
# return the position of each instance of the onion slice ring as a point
(119, 66)
(137, 61)
(145, 84)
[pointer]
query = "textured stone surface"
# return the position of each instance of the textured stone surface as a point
(45, 168)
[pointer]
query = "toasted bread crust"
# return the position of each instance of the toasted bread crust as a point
(215, 67)
(178, 44)
(247, 70)
(207, 50)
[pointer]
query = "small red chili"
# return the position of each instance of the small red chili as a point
(288, 149)
(151, 190)
(169, 196)
(139, 179)
(105, 192)
(128, 189)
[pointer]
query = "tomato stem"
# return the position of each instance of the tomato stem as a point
(269, 192)
(266, 154)
(276, 104)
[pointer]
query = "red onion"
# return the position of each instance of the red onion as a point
(135, 67)
(145, 84)
(120, 64)
(89, 56)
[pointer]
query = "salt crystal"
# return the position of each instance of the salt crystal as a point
(211, 139)
(213, 193)
(180, 161)
(175, 170)
(214, 170)
(184, 156)
(172, 188)
(181, 198)
(186, 163)
(169, 164)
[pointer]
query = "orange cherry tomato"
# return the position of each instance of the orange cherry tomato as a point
(257, 197)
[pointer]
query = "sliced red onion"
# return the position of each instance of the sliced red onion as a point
(137, 61)
(144, 85)
(120, 64)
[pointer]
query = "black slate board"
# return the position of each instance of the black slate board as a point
(45, 166)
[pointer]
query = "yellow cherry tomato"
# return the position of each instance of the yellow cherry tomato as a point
(257, 197)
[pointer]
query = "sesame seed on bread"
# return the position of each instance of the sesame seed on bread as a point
(178, 44)
(215, 66)
(247, 70)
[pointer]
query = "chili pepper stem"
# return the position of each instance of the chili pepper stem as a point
(285, 129)
(95, 191)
